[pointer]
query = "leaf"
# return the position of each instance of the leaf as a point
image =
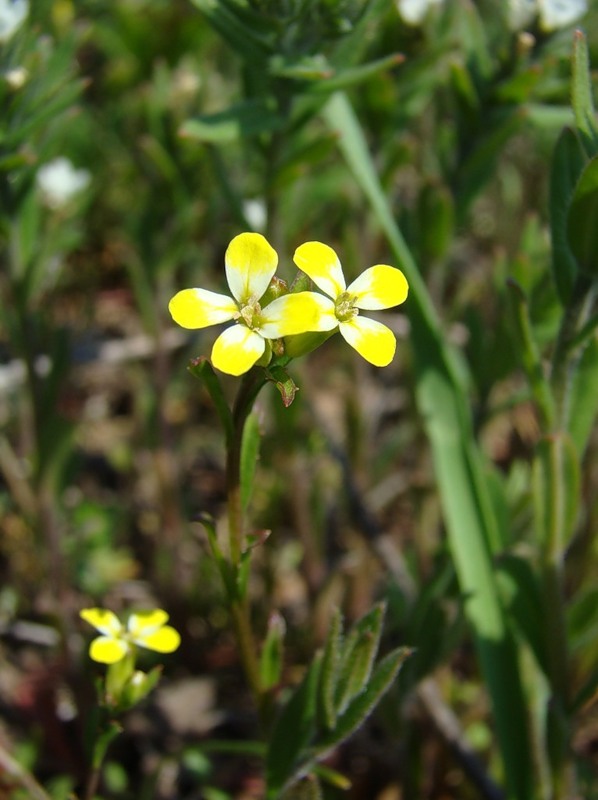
(344, 79)
(329, 672)
(249, 118)
(581, 94)
(250, 449)
(567, 165)
(357, 657)
(292, 732)
(363, 705)
(584, 397)
(283, 382)
(522, 595)
(582, 220)
(272, 650)
(582, 619)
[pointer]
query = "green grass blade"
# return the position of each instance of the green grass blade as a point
(581, 95)
(471, 524)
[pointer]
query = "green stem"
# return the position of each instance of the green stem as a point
(250, 386)
(531, 357)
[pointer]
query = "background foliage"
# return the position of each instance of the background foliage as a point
(458, 485)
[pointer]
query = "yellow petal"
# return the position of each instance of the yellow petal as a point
(237, 349)
(379, 287)
(372, 340)
(297, 313)
(164, 640)
(321, 264)
(198, 308)
(107, 650)
(250, 265)
(146, 621)
(103, 620)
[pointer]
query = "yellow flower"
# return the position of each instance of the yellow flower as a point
(376, 288)
(144, 628)
(250, 264)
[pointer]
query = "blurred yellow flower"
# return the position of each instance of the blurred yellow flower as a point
(144, 628)
(378, 287)
(250, 264)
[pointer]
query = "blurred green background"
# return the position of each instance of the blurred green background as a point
(136, 139)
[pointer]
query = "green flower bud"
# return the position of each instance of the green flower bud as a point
(296, 346)
(276, 288)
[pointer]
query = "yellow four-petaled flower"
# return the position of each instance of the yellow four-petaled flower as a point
(377, 288)
(144, 628)
(250, 264)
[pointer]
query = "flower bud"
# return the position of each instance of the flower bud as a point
(276, 289)
(295, 346)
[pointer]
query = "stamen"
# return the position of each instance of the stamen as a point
(344, 307)
(250, 313)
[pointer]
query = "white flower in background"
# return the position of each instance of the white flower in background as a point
(560, 13)
(16, 78)
(12, 15)
(255, 213)
(413, 11)
(552, 14)
(58, 181)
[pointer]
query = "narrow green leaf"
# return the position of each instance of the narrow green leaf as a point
(581, 94)
(344, 79)
(567, 165)
(363, 705)
(584, 397)
(582, 620)
(357, 657)
(329, 673)
(250, 449)
(272, 651)
(332, 777)
(463, 82)
(249, 118)
(582, 220)
(522, 595)
(292, 732)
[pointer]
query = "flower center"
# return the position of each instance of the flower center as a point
(250, 314)
(344, 307)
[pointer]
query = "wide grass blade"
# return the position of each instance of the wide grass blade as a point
(472, 527)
